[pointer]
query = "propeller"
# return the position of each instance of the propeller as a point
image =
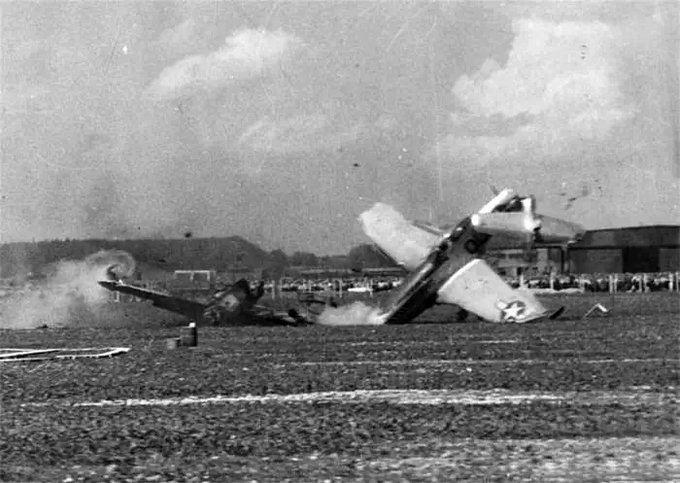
(508, 213)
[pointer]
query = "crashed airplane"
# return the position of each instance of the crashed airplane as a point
(448, 267)
(233, 305)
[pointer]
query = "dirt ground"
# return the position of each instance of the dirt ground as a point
(566, 400)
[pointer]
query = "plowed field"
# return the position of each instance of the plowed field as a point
(567, 400)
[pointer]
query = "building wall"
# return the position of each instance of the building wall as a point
(640, 259)
(669, 259)
(624, 260)
(596, 260)
(640, 236)
(627, 250)
(513, 261)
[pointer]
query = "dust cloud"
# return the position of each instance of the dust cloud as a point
(356, 313)
(69, 294)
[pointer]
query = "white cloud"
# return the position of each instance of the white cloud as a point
(561, 80)
(297, 134)
(246, 54)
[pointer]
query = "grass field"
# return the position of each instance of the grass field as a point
(567, 400)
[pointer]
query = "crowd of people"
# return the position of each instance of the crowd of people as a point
(626, 282)
(356, 284)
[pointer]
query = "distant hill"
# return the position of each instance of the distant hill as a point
(223, 254)
(188, 253)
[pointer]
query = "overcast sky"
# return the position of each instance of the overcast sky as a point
(281, 122)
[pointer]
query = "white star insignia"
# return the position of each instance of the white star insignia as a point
(513, 311)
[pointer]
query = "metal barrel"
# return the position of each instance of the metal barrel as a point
(188, 336)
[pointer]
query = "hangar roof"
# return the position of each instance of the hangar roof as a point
(667, 236)
(648, 236)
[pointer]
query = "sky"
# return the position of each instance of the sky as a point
(282, 121)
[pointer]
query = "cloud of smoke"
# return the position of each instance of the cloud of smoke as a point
(68, 295)
(356, 313)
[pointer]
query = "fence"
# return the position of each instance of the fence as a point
(368, 286)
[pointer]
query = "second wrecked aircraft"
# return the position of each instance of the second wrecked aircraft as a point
(232, 305)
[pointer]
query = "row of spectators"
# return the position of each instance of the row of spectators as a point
(627, 282)
(359, 284)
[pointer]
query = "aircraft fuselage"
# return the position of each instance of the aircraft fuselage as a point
(419, 291)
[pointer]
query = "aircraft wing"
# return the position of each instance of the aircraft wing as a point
(189, 308)
(269, 316)
(404, 242)
(478, 289)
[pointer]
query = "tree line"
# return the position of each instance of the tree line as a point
(26, 259)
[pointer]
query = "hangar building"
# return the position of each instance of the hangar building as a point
(627, 250)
